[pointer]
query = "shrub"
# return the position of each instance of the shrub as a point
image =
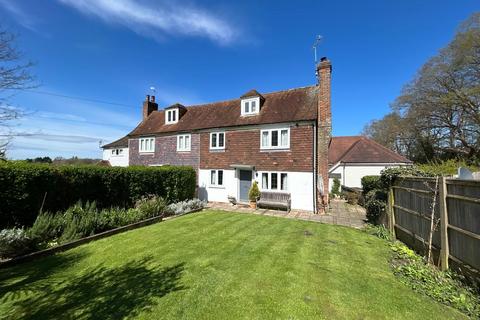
(185, 206)
(14, 242)
(150, 206)
(46, 228)
(254, 192)
(371, 182)
(352, 197)
(335, 187)
(378, 231)
(23, 187)
(443, 286)
(375, 208)
(79, 222)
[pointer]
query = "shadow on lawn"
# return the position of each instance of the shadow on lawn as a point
(99, 293)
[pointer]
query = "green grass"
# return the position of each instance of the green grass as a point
(218, 265)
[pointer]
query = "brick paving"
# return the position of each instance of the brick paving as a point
(340, 213)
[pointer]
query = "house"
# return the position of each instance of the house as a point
(279, 139)
(351, 158)
(116, 152)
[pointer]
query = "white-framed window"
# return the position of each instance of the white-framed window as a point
(217, 140)
(216, 178)
(275, 138)
(274, 181)
(146, 144)
(250, 106)
(171, 116)
(184, 142)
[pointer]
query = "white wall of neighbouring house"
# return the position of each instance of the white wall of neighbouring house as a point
(351, 175)
(116, 160)
(300, 186)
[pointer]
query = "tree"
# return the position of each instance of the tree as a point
(437, 116)
(14, 75)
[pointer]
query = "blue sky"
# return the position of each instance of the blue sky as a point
(195, 52)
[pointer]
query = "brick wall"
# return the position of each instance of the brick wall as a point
(243, 147)
(166, 152)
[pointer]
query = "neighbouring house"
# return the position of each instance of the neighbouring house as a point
(116, 152)
(280, 139)
(351, 158)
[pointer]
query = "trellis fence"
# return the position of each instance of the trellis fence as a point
(438, 211)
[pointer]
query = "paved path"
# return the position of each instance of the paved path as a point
(340, 213)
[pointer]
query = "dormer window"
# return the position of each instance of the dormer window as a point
(171, 116)
(250, 106)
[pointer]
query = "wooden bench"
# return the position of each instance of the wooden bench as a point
(277, 200)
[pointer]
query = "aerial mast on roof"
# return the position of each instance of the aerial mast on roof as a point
(315, 45)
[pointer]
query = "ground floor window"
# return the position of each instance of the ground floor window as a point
(216, 178)
(274, 181)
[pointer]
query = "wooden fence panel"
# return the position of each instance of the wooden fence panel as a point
(458, 203)
(463, 203)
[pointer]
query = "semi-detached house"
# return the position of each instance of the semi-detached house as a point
(279, 139)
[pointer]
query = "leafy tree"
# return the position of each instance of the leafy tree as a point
(437, 115)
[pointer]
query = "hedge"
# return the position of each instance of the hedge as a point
(23, 187)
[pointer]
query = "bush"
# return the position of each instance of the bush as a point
(185, 206)
(79, 222)
(46, 228)
(378, 231)
(254, 192)
(445, 287)
(371, 182)
(23, 187)
(14, 242)
(375, 208)
(335, 188)
(352, 197)
(150, 206)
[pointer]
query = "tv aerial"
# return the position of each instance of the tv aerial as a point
(318, 39)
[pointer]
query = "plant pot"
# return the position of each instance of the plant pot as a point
(253, 204)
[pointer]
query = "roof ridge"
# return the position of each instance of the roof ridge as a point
(228, 100)
(348, 150)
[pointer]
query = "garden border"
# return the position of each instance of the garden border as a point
(76, 243)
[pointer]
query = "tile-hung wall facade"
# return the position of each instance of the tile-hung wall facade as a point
(168, 150)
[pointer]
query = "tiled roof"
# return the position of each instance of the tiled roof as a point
(282, 106)
(359, 149)
(120, 143)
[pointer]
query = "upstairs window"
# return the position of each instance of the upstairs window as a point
(217, 140)
(275, 139)
(147, 145)
(216, 178)
(184, 142)
(250, 106)
(274, 181)
(171, 116)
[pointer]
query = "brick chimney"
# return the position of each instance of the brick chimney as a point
(149, 106)
(324, 132)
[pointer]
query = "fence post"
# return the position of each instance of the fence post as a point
(391, 211)
(444, 252)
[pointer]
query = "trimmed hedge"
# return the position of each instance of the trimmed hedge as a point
(370, 183)
(23, 187)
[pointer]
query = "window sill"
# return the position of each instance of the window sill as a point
(250, 114)
(184, 151)
(216, 187)
(146, 153)
(217, 149)
(274, 149)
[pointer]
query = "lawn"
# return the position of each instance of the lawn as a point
(218, 265)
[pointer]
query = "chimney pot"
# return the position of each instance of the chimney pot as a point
(153, 99)
(147, 98)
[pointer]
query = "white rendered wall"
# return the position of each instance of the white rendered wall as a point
(217, 193)
(300, 186)
(116, 160)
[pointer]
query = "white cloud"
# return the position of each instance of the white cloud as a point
(21, 16)
(159, 18)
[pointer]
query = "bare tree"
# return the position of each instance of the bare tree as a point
(14, 75)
